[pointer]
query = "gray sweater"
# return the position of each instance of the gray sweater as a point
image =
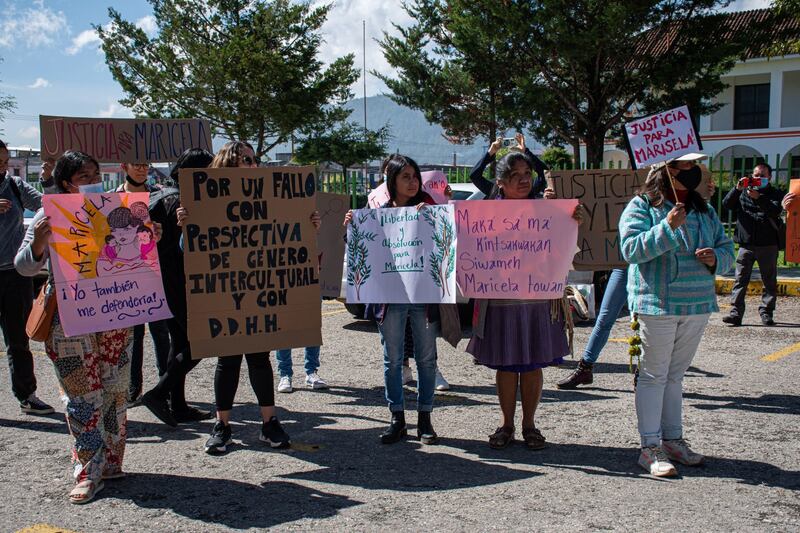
(25, 262)
(12, 227)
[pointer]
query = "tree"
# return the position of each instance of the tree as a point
(452, 66)
(788, 41)
(250, 67)
(7, 104)
(557, 158)
(345, 144)
(597, 60)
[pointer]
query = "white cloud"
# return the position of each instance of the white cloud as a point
(747, 5)
(343, 35)
(40, 83)
(115, 110)
(29, 133)
(84, 39)
(34, 27)
(147, 24)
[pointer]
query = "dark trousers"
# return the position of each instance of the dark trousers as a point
(161, 344)
(16, 299)
(767, 257)
(172, 383)
(226, 379)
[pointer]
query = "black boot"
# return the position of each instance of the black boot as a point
(396, 430)
(425, 430)
(580, 376)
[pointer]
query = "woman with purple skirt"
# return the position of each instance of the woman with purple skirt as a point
(518, 338)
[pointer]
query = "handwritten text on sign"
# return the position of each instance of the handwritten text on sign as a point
(250, 259)
(515, 249)
(105, 262)
(793, 224)
(434, 182)
(662, 136)
(132, 140)
(402, 255)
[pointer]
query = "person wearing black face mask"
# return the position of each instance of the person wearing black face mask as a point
(757, 205)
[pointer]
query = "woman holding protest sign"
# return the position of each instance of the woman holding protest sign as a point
(404, 183)
(92, 369)
(518, 338)
(490, 189)
(226, 377)
(676, 245)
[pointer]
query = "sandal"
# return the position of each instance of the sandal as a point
(502, 437)
(85, 491)
(533, 438)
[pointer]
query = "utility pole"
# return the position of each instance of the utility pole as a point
(364, 75)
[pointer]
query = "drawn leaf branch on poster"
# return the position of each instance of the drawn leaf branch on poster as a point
(358, 271)
(442, 263)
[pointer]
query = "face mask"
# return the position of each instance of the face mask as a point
(91, 188)
(764, 183)
(690, 178)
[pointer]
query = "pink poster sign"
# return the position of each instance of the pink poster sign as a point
(434, 182)
(662, 137)
(515, 249)
(105, 261)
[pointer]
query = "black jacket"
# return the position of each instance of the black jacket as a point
(164, 204)
(488, 187)
(753, 226)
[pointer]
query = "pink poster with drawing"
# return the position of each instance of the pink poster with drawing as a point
(434, 182)
(105, 261)
(515, 249)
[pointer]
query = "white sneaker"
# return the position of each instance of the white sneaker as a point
(678, 450)
(315, 382)
(285, 384)
(441, 383)
(654, 460)
(408, 375)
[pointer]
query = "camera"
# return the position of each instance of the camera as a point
(750, 182)
(509, 142)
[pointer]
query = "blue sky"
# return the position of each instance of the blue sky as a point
(52, 64)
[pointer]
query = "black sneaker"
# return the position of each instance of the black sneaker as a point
(733, 320)
(159, 407)
(273, 434)
(35, 406)
(767, 320)
(219, 440)
(190, 414)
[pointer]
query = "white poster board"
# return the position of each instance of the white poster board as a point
(402, 255)
(434, 182)
(661, 137)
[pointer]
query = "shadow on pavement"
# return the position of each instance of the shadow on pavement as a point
(782, 404)
(233, 504)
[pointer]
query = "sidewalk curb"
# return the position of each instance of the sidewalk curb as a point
(786, 286)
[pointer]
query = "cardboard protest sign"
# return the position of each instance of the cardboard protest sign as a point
(123, 140)
(515, 249)
(434, 182)
(105, 261)
(793, 224)
(250, 256)
(402, 255)
(660, 137)
(604, 193)
(330, 241)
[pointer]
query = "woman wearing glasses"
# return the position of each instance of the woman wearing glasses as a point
(675, 245)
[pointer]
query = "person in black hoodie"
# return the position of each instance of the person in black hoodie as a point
(757, 209)
(490, 190)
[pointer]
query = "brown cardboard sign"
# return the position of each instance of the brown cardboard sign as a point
(604, 194)
(250, 256)
(123, 140)
(330, 241)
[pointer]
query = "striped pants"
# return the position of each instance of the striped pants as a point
(93, 372)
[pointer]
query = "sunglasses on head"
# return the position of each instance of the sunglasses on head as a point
(255, 160)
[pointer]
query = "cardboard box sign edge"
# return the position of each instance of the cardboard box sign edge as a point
(125, 130)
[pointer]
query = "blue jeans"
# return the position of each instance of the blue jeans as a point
(284, 358)
(392, 331)
(614, 298)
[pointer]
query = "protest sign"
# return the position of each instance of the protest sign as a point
(434, 182)
(250, 256)
(515, 249)
(105, 261)
(660, 137)
(402, 255)
(123, 140)
(330, 241)
(793, 224)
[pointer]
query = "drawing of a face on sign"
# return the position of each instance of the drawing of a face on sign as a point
(130, 245)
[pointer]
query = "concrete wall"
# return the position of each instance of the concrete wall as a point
(790, 106)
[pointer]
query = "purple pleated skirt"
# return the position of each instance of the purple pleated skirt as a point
(520, 337)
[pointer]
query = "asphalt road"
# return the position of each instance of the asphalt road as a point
(741, 409)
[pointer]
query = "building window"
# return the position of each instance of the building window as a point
(16, 172)
(751, 107)
(794, 167)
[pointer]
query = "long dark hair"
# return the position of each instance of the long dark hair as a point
(393, 168)
(658, 183)
(504, 168)
(68, 164)
(191, 158)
